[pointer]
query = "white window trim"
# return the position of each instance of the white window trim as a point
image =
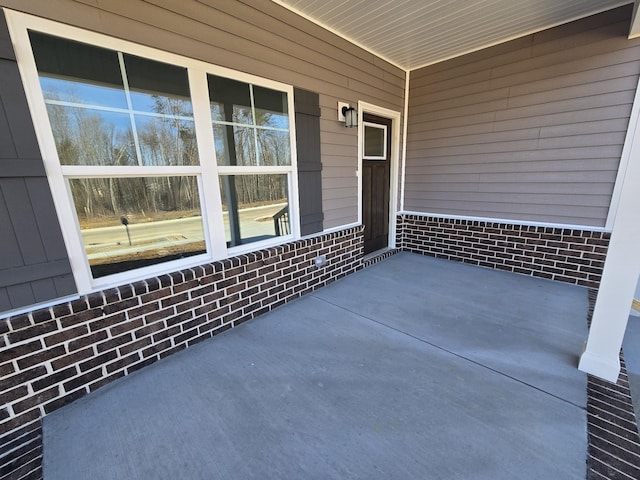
(384, 145)
(207, 172)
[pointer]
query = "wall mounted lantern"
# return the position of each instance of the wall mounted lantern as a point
(350, 116)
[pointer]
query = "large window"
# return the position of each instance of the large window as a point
(251, 131)
(156, 161)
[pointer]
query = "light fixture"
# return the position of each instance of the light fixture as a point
(350, 116)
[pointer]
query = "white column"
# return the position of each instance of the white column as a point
(622, 265)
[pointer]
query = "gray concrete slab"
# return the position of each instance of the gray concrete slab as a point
(319, 390)
(531, 329)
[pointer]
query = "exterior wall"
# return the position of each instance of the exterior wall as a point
(33, 258)
(530, 130)
(566, 255)
(264, 39)
(53, 356)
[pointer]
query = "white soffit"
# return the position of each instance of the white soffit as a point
(415, 33)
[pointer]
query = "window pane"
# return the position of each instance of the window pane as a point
(166, 141)
(230, 100)
(221, 144)
(76, 72)
(255, 207)
(235, 145)
(158, 87)
(91, 137)
(374, 142)
(133, 222)
(77, 91)
(245, 146)
(271, 108)
(274, 148)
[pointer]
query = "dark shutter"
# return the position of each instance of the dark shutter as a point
(307, 105)
(34, 266)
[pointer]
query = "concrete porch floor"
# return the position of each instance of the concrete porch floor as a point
(414, 368)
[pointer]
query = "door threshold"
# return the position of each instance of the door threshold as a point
(374, 257)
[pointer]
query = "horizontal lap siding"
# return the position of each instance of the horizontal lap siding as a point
(261, 38)
(530, 130)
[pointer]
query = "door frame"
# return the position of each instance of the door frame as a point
(395, 117)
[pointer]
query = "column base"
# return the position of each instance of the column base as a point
(605, 368)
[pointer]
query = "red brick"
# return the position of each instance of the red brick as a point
(149, 329)
(188, 305)
(212, 297)
(173, 299)
(88, 340)
(159, 315)
(143, 310)
(66, 335)
(9, 396)
(20, 420)
(113, 343)
(178, 319)
(31, 332)
(72, 358)
(82, 380)
(155, 295)
(169, 332)
(121, 305)
(195, 322)
(107, 322)
(11, 353)
(157, 348)
(125, 327)
(35, 400)
(81, 317)
(123, 363)
(54, 378)
(104, 381)
(61, 402)
(41, 357)
(211, 325)
(137, 345)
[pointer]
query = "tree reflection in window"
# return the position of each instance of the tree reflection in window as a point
(111, 109)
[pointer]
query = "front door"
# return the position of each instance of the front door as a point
(376, 159)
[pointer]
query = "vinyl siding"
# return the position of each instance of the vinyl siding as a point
(260, 38)
(530, 130)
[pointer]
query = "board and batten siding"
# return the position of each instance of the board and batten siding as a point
(529, 130)
(261, 38)
(33, 259)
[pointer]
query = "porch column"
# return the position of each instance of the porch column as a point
(621, 268)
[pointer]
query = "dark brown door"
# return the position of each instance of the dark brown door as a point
(376, 158)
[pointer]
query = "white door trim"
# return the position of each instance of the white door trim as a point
(394, 116)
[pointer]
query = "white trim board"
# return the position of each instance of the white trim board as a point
(508, 221)
(622, 265)
(405, 134)
(625, 158)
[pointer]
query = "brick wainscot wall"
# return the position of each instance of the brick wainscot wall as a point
(53, 356)
(562, 254)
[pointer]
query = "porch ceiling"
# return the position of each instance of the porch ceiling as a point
(415, 33)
